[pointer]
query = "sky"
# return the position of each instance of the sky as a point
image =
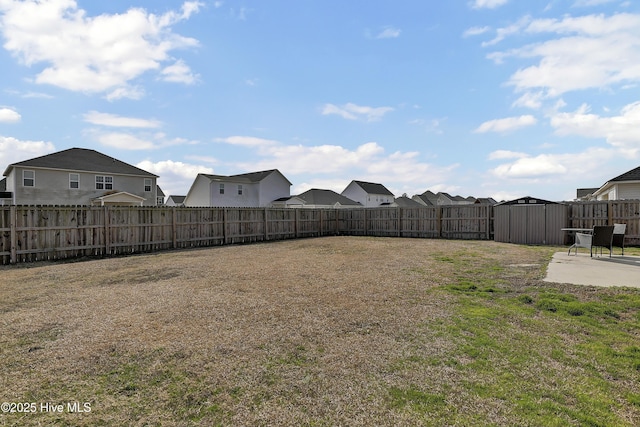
(483, 98)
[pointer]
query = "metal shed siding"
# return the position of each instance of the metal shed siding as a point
(530, 224)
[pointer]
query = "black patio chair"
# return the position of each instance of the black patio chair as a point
(601, 237)
(618, 236)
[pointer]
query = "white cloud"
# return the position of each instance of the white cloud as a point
(106, 119)
(135, 141)
(389, 33)
(506, 124)
(247, 141)
(586, 52)
(100, 54)
(554, 167)
(488, 4)
(532, 100)
(13, 150)
(8, 115)
(175, 177)
(179, 72)
(506, 154)
(475, 31)
(622, 131)
(351, 111)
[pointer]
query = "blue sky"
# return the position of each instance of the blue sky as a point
(499, 98)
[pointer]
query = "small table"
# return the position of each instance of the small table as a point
(576, 243)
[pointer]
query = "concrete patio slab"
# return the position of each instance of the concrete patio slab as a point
(581, 269)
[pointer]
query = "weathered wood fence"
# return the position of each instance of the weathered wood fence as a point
(34, 233)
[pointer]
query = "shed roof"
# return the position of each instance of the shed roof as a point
(81, 159)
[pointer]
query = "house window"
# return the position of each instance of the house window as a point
(104, 182)
(160, 200)
(74, 180)
(29, 178)
(221, 188)
(147, 184)
(239, 189)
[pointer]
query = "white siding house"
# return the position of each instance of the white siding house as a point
(256, 189)
(622, 187)
(79, 176)
(368, 194)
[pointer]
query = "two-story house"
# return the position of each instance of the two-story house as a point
(368, 194)
(254, 189)
(79, 176)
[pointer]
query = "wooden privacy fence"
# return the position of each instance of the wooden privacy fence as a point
(34, 233)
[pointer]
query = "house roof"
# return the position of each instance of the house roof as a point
(406, 202)
(632, 175)
(251, 177)
(582, 192)
(177, 199)
(81, 159)
(373, 188)
(316, 196)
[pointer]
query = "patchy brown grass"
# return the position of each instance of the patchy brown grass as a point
(326, 331)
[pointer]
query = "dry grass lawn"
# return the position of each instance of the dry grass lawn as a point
(326, 331)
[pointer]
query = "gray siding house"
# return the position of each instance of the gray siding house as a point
(79, 176)
(255, 189)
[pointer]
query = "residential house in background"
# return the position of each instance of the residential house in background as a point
(79, 176)
(368, 194)
(255, 189)
(622, 187)
(405, 202)
(159, 196)
(175, 201)
(428, 198)
(317, 198)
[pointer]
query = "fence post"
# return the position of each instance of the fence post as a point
(174, 227)
(366, 228)
(399, 213)
(266, 234)
(295, 222)
(13, 219)
(107, 238)
(224, 226)
(321, 213)
(489, 212)
(609, 212)
(439, 221)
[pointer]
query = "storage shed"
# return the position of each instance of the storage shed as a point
(530, 221)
